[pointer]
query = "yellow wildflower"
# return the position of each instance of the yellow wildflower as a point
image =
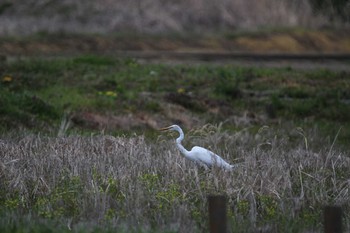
(181, 90)
(111, 93)
(7, 79)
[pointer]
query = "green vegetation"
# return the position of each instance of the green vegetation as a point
(36, 93)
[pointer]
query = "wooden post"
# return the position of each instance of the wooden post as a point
(332, 219)
(217, 214)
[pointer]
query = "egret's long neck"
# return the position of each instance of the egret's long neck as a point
(179, 145)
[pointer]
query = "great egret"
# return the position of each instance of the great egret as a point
(198, 154)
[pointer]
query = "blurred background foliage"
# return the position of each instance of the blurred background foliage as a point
(20, 17)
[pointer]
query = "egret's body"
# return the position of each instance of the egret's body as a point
(199, 154)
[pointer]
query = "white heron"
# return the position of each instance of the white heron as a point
(198, 154)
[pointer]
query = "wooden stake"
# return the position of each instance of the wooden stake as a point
(217, 214)
(332, 219)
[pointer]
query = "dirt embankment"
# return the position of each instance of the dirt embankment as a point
(275, 42)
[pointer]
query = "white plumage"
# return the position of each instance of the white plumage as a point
(198, 154)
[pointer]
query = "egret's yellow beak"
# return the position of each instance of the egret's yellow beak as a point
(164, 129)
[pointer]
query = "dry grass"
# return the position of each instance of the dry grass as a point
(152, 16)
(284, 179)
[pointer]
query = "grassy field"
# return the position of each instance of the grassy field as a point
(79, 147)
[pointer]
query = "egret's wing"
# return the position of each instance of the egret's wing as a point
(202, 155)
(208, 157)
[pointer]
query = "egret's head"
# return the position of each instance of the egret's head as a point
(170, 128)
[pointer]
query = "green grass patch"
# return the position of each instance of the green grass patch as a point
(44, 89)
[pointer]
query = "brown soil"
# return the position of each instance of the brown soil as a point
(284, 42)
